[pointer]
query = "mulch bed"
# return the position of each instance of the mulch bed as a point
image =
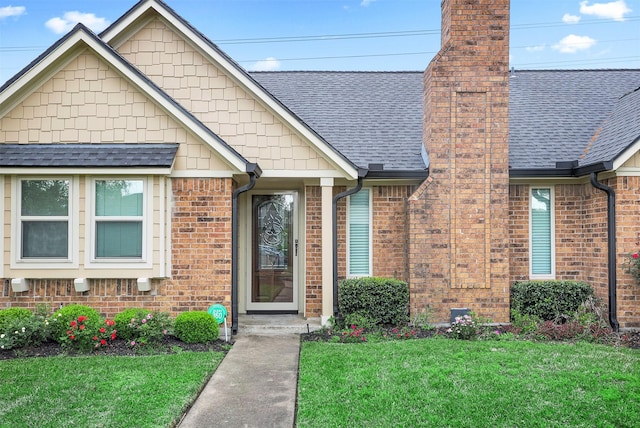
(169, 345)
(629, 339)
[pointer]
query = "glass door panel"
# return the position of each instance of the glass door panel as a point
(273, 252)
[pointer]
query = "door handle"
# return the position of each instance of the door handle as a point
(296, 247)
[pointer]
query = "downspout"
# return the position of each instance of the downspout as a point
(611, 248)
(254, 172)
(334, 215)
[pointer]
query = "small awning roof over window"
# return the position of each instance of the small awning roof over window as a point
(159, 155)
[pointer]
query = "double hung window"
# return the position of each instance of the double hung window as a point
(119, 219)
(44, 217)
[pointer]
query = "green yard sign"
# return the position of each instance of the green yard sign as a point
(219, 312)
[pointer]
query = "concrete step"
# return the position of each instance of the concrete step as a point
(276, 324)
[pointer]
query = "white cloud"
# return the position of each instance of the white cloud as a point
(366, 3)
(70, 19)
(269, 64)
(573, 44)
(612, 10)
(567, 18)
(538, 48)
(8, 11)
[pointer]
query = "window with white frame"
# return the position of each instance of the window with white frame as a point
(542, 232)
(359, 234)
(118, 220)
(44, 217)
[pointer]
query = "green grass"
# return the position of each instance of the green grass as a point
(449, 383)
(102, 391)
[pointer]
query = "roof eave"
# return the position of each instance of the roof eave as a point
(579, 171)
(421, 174)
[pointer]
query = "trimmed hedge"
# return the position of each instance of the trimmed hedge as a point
(196, 327)
(381, 300)
(549, 300)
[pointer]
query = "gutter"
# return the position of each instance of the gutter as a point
(611, 248)
(362, 173)
(254, 172)
(562, 170)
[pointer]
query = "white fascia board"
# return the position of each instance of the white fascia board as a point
(627, 154)
(279, 173)
(241, 78)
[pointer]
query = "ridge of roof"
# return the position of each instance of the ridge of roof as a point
(245, 75)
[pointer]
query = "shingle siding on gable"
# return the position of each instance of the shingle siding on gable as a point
(217, 101)
(87, 102)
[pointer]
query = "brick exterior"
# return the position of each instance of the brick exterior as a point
(313, 251)
(628, 240)
(389, 238)
(458, 244)
(390, 258)
(201, 261)
(581, 238)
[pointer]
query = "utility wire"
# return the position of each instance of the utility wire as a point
(370, 35)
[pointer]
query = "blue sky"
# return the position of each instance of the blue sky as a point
(345, 34)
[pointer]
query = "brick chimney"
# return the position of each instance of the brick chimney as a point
(458, 244)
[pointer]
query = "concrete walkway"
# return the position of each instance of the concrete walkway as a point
(254, 386)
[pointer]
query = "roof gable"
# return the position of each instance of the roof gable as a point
(621, 130)
(80, 40)
(146, 10)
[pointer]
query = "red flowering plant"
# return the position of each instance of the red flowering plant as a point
(631, 265)
(353, 335)
(83, 335)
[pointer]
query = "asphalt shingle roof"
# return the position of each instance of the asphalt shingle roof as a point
(87, 155)
(370, 117)
(620, 129)
(555, 114)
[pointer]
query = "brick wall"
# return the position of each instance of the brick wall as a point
(628, 240)
(390, 231)
(313, 251)
(201, 244)
(581, 238)
(389, 238)
(458, 244)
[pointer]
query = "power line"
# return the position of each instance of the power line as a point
(368, 35)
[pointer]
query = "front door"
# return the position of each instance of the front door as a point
(274, 253)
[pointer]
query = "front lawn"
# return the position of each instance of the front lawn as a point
(102, 391)
(441, 383)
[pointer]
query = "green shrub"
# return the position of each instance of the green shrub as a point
(10, 315)
(549, 300)
(381, 300)
(196, 327)
(22, 332)
(61, 319)
(524, 324)
(123, 319)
